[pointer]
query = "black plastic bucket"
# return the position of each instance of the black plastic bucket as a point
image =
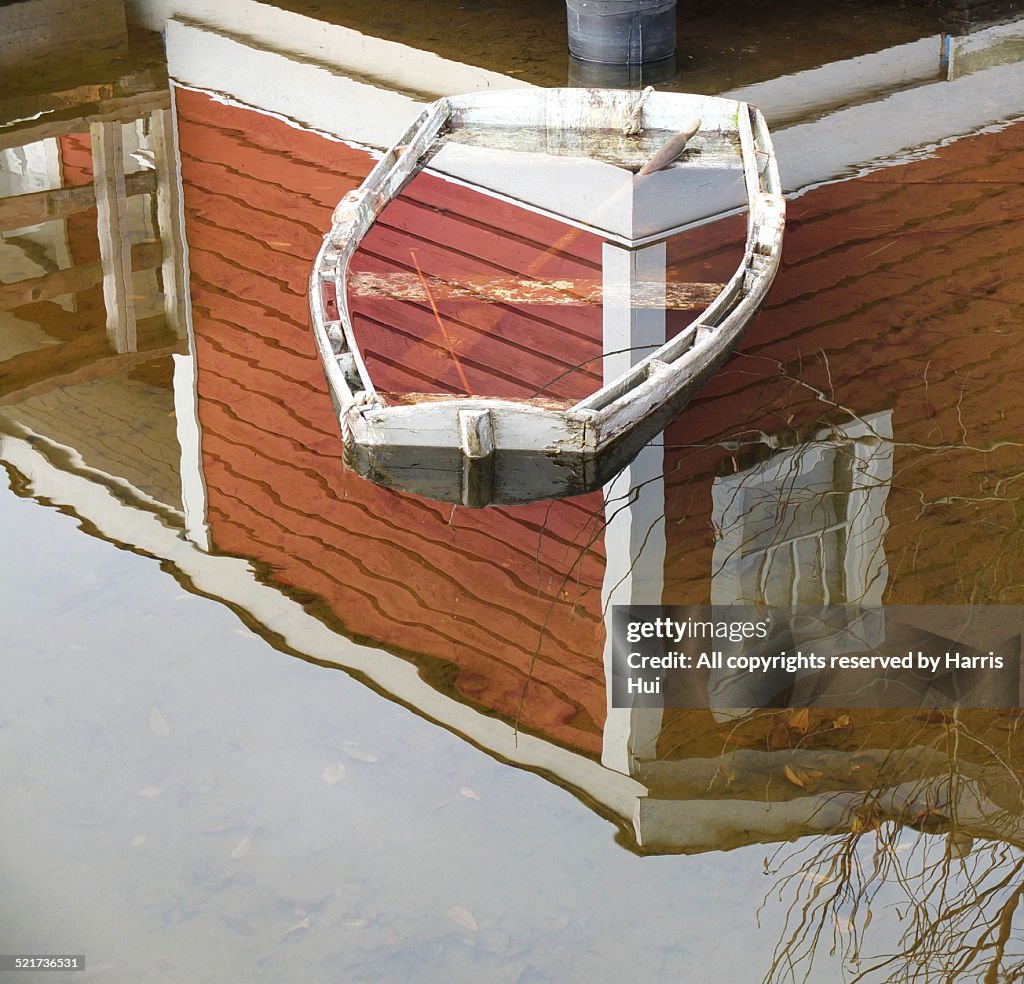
(622, 32)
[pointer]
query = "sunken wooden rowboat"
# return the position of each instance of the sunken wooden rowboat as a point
(480, 450)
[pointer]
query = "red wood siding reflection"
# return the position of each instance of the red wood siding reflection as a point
(76, 159)
(441, 229)
(898, 291)
(482, 601)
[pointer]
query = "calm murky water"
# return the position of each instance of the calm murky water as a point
(264, 720)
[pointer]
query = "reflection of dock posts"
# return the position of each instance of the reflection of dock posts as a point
(635, 499)
(169, 220)
(112, 229)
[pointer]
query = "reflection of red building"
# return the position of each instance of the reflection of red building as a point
(894, 301)
(471, 595)
(898, 293)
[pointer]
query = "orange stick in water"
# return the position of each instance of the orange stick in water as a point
(440, 324)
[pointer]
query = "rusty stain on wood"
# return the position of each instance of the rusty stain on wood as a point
(420, 289)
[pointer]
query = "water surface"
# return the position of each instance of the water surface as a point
(265, 720)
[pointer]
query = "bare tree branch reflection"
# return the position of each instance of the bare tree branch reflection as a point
(932, 866)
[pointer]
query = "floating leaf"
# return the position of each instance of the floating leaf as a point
(468, 793)
(360, 756)
(138, 840)
(149, 792)
(242, 848)
(335, 772)
(462, 917)
(157, 724)
(843, 721)
(355, 923)
(867, 820)
(801, 720)
(297, 928)
(793, 777)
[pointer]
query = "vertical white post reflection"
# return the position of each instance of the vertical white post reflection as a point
(112, 228)
(193, 482)
(635, 499)
(179, 306)
(631, 333)
(170, 220)
(61, 244)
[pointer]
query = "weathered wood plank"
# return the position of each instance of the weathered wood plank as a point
(708, 149)
(19, 211)
(112, 229)
(25, 371)
(387, 250)
(76, 118)
(74, 279)
(102, 368)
